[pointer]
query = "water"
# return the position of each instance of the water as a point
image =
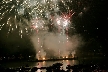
(43, 64)
(49, 63)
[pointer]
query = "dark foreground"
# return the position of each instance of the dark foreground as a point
(57, 67)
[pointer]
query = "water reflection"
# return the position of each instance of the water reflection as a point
(42, 64)
(49, 63)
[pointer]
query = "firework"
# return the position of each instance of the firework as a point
(39, 16)
(28, 15)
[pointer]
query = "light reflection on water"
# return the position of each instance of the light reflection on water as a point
(65, 63)
(41, 64)
(98, 60)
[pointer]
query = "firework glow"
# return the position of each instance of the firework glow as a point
(48, 20)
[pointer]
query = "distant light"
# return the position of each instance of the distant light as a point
(94, 65)
(43, 58)
(66, 56)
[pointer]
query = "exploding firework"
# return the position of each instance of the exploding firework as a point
(28, 15)
(40, 16)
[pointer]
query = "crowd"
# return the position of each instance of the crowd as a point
(58, 67)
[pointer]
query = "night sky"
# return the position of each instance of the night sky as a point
(90, 23)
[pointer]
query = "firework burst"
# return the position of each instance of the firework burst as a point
(47, 18)
(29, 15)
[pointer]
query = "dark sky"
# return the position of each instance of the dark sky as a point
(94, 22)
(92, 26)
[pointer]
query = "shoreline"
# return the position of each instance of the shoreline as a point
(76, 58)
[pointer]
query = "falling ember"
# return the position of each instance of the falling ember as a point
(21, 31)
(21, 36)
(16, 26)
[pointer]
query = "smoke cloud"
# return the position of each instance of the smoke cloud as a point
(49, 44)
